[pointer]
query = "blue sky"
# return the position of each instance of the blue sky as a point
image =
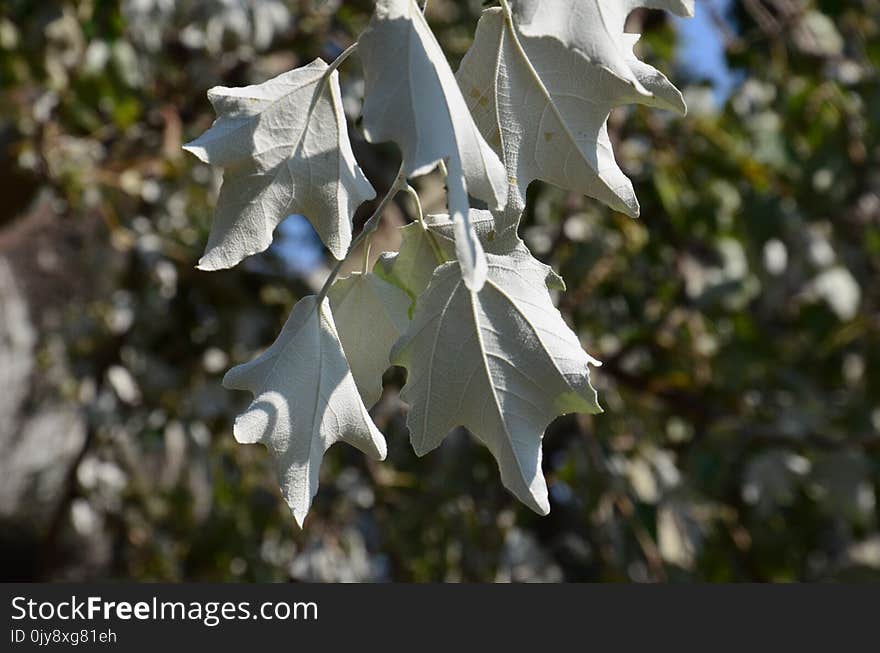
(702, 49)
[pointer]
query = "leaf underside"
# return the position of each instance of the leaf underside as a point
(284, 148)
(305, 400)
(544, 106)
(501, 362)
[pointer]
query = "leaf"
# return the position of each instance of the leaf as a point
(284, 148)
(412, 98)
(371, 315)
(305, 400)
(501, 362)
(544, 106)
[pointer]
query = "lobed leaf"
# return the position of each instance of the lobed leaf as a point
(284, 148)
(501, 362)
(305, 400)
(543, 104)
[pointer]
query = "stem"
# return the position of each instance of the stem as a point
(326, 287)
(370, 227)
(415, 196)
(340, 59)
(368, 247)
(432, 240)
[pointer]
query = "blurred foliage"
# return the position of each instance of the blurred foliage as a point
(739, 319)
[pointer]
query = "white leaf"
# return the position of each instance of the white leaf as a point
(412, 98)
(305, 400)
(544, 105)
(284, 148)
(371, 315)
(501, 362)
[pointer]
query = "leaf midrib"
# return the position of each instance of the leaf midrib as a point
(536, 78)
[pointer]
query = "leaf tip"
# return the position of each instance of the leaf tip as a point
(683, 109)
(237, 427)
(197, 150)
(299, 516)
(232, 381)
(554, 281)
(539, 501)
(220, 257)
(208, 264)
(422, 446)
(381, 452)
(250, 427)
(476, 280)
(631, 208)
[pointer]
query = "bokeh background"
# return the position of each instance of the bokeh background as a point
(738, 319)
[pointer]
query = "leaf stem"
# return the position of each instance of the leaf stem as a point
(415, 196)
(432, 241)
(368, 247)
(370, 226)
(340, 59)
